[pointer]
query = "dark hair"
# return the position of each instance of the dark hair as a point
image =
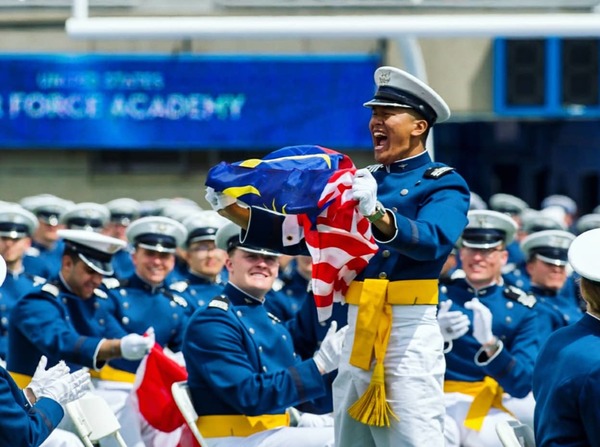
(590, 290)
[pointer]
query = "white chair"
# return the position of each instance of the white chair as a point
(94, 420)
(515, 434)
(183, 399)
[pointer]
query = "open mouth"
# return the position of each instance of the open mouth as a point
(380, 139)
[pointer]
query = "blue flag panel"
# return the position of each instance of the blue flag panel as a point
(184, 102)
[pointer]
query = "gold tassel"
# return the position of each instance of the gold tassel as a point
(372, 408)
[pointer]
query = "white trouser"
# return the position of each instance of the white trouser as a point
(278, 437)
(523, 409)
(414, 373)
(457, 435)
(62, 438)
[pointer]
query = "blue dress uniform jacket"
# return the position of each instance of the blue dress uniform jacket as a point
(15, 286)
(22, 425)
(514, 322)
(196, 290)
(429, 202)
(54, 322)
(566, 386)
(550, 315)
(241, 360)
(123, 264)
(137, 306)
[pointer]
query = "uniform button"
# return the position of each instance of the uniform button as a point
(519, 283)
(295, 355)
(503, 337)
(567, 318)
(192, 292)
(382, 275)
(444, 289)
(123, 292)
(510, 305)
(239, 313)
(67, 318)
(252, 331)
(394, 209)
(385, 253)
(96, 305)
(260, 349)
(404, 192)
(126, 305)
(173, 303)
(64, 300)
(264, 368)
(284, 337)
(288, 292)
(508, 320)
(201, 303)
(517, 272)
(175, 316)
(4, 321)
(101, 321)
(273, 322)
(323, 323)
(125, 320)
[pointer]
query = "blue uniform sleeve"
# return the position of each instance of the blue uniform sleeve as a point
(513, 366)
(20, 424)
(217, 353)
(438, 223)
(40, 319)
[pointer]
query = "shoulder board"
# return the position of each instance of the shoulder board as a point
(179, 286)
(38, 280)
(458, 274)
(111, 283)
(436, 173)
(220, 302)
(278, 284)
(100, 294)
(374, 168)
(273, 317)
(516, 294)
(180, 300)
(33, 252)
(50, 288)
(509, 268)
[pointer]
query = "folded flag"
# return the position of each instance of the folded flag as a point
(154, 378)
(315, 184)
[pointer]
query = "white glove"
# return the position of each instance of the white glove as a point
(70, 388)
(364, 189)
(482, 322)
(327, 357)
(218, 200)
(42, 377)
(57, 384)
(453, 324)
(135, 346)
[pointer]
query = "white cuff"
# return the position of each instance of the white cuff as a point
(481, 354)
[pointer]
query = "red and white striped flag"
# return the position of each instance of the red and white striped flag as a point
(340, 246)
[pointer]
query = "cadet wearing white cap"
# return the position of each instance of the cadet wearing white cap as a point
(587, 222)
(512, 206)
(566, 204)
(144, 299)
(65, 318)
(29, 417)
(495, 351)
(86, 216)
(417, 209)
(565, 379)
(123, 212)
(204, 276)
(46, 244)
(16, 228)
(246, 373)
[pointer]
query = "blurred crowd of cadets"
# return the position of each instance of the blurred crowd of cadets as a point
(33, 250)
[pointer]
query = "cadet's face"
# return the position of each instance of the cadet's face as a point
(47, 234)
(251, 272)
(205, 258)
(546, 275)
(80, 278)
(117, 230)
(152, 266)
(395, 132)
(482, 266)
(12, 250)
